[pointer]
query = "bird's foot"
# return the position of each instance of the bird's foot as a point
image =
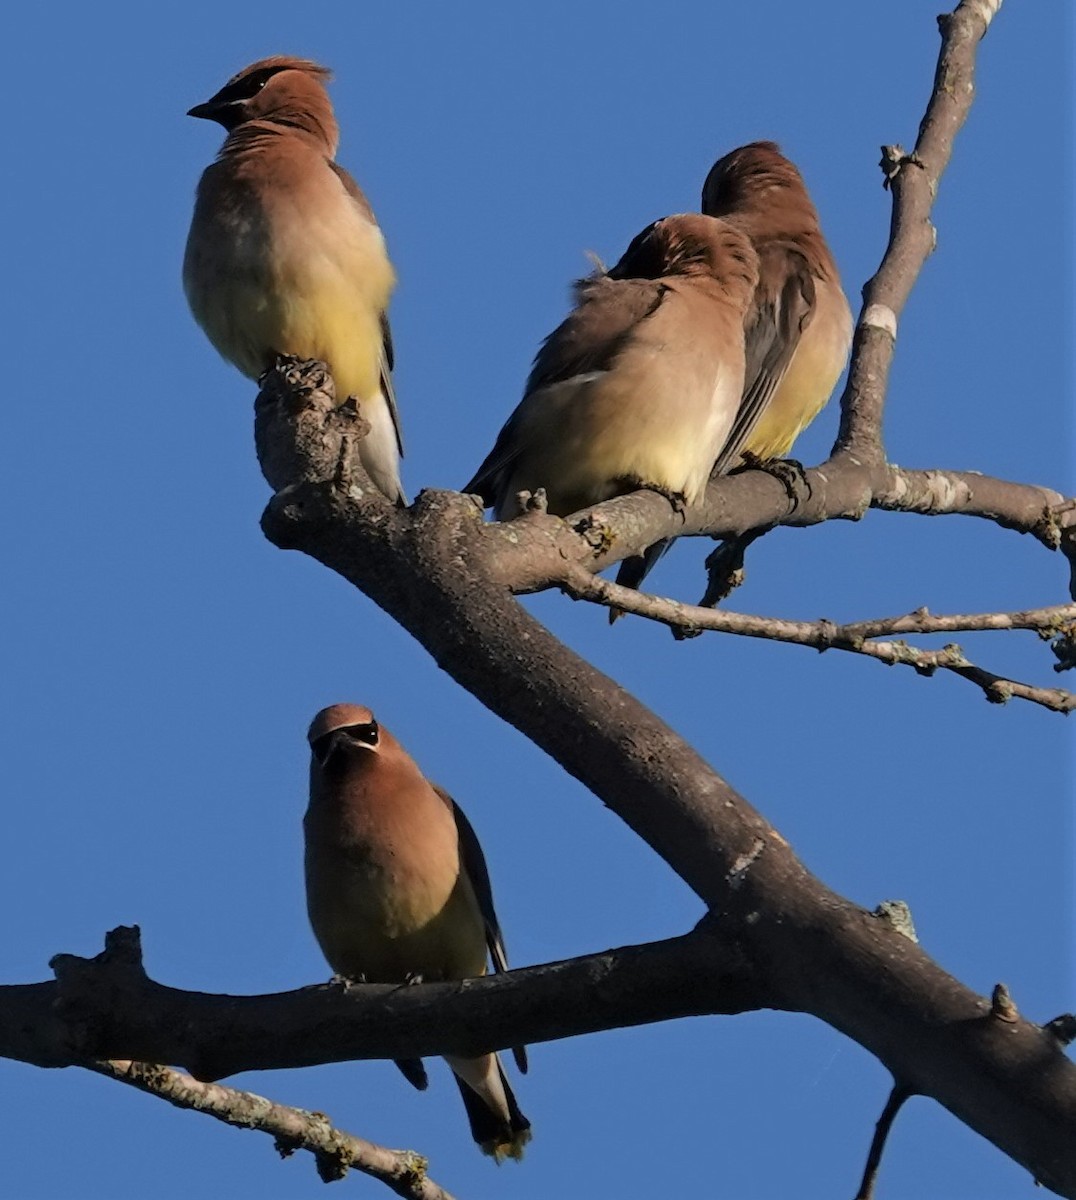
(531, 502)
(790, 473)
(291, 373)
(631, 483)
(346, 982)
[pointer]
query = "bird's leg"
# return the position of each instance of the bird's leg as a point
(725, 567)
(724, 574)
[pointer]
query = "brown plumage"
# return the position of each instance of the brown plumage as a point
(798, 326)
(640, 385)
(397, 890)
(284, 255)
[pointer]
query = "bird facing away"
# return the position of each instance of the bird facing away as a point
(798, 326)
(397, 891)
(284, 255)
(798, 329)
(640, 385)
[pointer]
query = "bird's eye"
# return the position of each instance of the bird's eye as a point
(255, 83)
(366, 734)
(238, 91)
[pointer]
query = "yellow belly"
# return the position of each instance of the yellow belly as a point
(387, 935)
(323, 319)
(808, 383)
(298, 286)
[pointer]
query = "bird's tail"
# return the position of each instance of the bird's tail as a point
(635, 569)
(414, 1071)
(497, 1124)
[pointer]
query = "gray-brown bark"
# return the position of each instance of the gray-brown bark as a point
(776, 936)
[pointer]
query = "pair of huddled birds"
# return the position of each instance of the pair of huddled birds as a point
(715, 340)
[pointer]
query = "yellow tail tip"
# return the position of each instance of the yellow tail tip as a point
(501, 1148)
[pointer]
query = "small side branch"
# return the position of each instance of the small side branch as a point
(893, 1106)
(855, 638)
(335, 1152)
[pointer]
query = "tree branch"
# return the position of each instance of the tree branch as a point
(106, 1007)
(854, 638)
(529, 554)
(447, 578)
(856, 477)
(914, 179)
(782, 939)
(893, 1105)
(1005, 1076)
(335, 1152)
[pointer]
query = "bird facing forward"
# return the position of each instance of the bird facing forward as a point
(397, 891)
(284, 255)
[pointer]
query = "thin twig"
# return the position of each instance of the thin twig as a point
(402, 1171)
(1051, 618)
(893, 1106)
(854, 638)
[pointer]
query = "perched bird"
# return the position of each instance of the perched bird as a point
(640, 385)
(397, 891)
(798, 329)
(284, 255)
(798, 326)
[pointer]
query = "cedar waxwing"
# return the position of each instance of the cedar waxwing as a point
(284, 255)
(397, 891)
(798, 328)
(640, 386)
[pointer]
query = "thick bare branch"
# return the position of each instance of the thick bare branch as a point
(434, 569)
(446, 577)
(530, 553)
(1005, 1076)
(107, 1008)
(856, 477)
(782, 939)
(335, 1152)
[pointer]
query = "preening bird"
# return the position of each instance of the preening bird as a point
(284, 255)
(640, 385)
(798, 326)
(397, 890)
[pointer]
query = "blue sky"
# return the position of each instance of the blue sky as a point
(162, 660)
